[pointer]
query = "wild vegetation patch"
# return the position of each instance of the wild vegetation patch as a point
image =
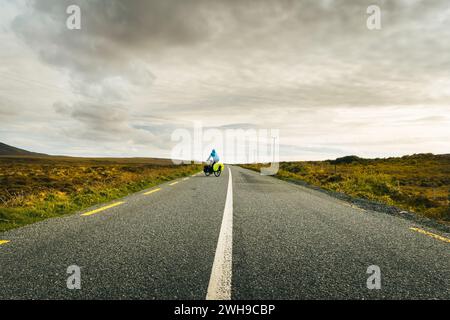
(419, 183)
(33, 189)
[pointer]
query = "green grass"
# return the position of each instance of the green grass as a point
(34, 189)
(418, 183)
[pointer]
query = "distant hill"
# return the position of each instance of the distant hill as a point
(347, 159)
(6, 150)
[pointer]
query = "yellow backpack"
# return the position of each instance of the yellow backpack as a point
(219, 165)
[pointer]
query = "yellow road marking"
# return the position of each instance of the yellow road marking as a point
(3, 241)
(173, 183)
(185, 179)
(151, 191)
(436, 236)
(102, 208)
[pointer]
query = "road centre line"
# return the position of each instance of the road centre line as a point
(102, 208)
(219, 287)
(173, 183)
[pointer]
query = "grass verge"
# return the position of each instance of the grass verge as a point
(34, 189)
(418, 183)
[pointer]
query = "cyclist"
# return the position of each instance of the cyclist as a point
(215, 158)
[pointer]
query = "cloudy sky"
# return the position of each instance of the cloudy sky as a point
(138, 70)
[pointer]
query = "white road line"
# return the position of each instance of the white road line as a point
(219, 287)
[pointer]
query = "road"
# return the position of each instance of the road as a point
(258, 238)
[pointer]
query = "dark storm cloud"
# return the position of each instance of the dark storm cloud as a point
(125, 38)
(112, 32)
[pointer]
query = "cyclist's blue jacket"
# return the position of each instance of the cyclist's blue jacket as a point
(214, 156)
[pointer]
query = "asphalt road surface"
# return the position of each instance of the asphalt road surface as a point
(257, 238)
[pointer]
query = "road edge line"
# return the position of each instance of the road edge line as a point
(219, 287)
(430, 234)
(115, 204)
(152, 191)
